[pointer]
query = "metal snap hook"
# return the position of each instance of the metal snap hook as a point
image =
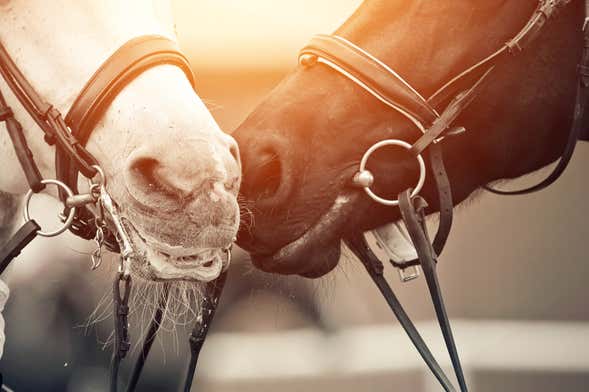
(227, 250)
(69, 219)
(364, 178)
(101, 177)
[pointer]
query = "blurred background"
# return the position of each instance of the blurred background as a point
(513, 274)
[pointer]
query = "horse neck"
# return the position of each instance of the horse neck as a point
(58, 48)
(519, 122)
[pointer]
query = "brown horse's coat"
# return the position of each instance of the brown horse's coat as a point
(303, 143)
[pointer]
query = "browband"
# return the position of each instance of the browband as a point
(118, 71)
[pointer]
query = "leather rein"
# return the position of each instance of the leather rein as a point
(95, 215)
(435, 118)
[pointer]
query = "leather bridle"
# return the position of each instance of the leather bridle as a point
(435, 118)
(95, 215)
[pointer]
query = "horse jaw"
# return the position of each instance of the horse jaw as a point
(158, 116)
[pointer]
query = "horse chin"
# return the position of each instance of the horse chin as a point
(158, 261)
(317, 251)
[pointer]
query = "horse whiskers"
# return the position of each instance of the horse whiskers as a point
(184, 301)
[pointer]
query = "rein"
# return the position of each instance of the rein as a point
(435, 118)
(95, 215)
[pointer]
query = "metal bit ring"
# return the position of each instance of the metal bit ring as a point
(69, 219)
(364, 178)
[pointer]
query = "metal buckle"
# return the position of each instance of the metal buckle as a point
(408, 274)
(395, 250)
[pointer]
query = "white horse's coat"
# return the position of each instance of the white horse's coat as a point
(173, 172)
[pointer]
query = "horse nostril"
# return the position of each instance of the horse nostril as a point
(149, 175)
(144, 171)
(267, 176)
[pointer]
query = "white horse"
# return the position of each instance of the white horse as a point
(172, 171)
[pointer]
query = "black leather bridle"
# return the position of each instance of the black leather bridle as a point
(69, 136)
(435, 117)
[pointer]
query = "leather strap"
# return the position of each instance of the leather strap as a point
(448, 116)
(374, 267)
(543, 12)
(46, 116)
(21, 147)
(371, 74)
(118, 71)
(446, 205)
(121, 68)
(121, 326)
(579, 129)
(413, 212)
(154, 327)
(200, 330)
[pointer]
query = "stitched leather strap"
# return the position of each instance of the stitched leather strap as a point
(366, 69)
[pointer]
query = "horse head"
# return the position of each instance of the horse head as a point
(172, 172)
(302, 146)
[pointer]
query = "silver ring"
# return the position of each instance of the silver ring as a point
(70, 217)
(399, 143)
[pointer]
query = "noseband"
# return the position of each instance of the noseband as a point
(95, 215)
(435, 118)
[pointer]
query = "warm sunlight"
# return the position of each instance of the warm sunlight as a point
(255, 33)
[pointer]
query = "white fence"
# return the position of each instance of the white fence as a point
(309, 354)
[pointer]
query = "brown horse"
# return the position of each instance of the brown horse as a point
(302, 145)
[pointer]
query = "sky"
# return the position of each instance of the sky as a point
(254, 34)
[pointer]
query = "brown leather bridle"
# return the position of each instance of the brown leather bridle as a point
(70, 136)
(435, 118)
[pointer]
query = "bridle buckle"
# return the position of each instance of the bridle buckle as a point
(408, 274)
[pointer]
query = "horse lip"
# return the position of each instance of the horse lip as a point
(296, 257)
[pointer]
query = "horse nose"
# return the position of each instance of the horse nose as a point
(181, 169)
(267, 169)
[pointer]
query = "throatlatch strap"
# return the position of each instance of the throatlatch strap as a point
(578, 126)
(413, 212)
